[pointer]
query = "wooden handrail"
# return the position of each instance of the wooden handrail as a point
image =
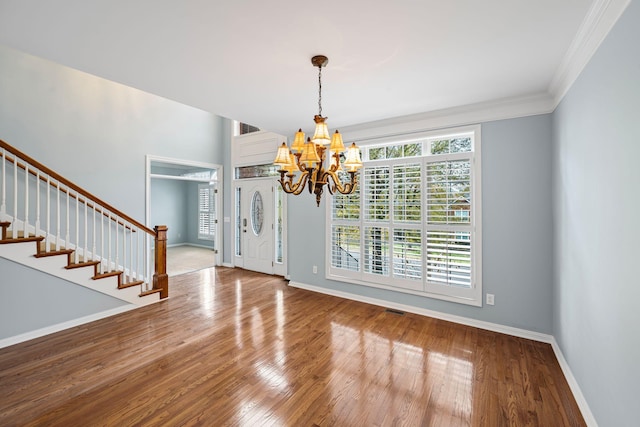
(74, 187)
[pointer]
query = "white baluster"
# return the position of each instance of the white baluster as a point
(131, 275)
(117, 246)
(75, 253)
(57, 215)
(109, 248)
(138, 254)
(124, 251)
(67, 237)
(37, 203)
(3, 204)
(102, 257)
(145, 259)
(93, 235)
(48, 233)
(26, 200)
(14, 232)
(85, 248)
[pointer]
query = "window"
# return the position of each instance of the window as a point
(416, 228)
(238, 215)
(206, 212)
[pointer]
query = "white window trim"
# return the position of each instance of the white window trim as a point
(471, 296)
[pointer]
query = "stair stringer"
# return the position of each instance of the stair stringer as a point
(24, 253)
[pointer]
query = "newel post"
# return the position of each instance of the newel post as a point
(160, 278)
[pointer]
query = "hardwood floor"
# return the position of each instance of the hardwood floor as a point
(243, 349)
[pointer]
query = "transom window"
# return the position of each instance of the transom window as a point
(416, 225)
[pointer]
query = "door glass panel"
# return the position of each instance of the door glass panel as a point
(238, 222)
(257, 213)
(279, 224)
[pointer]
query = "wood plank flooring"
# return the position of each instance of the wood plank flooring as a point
(243, 349)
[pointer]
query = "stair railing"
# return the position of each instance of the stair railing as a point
(38, 201)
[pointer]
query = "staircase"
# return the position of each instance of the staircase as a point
(50, 224)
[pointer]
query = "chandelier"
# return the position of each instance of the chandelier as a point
(308, 157)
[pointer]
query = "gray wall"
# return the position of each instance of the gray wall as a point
(95, 133)
(31, 300)
(596, 204)
(168, 206)
(517, 231)
(191, 217)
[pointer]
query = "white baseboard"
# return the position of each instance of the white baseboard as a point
(227, 264)
(522, 333)
(574, 386)
(6, 342)
(195, 245)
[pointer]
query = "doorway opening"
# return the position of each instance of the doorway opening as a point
(186, 196)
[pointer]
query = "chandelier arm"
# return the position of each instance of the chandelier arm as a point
(299, 186)
(347, 188)
(290, 188)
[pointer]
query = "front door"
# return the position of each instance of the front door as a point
(257, 216)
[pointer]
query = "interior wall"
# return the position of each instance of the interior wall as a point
(596, 204)
(28, 302)
(97, 132)
(516, 226)
(191, 217)
(169, 206)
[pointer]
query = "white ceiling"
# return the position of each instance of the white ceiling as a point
(250, 60)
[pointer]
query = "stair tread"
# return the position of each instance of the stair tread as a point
(82, 264)
(107, 274)
(130, 284)
(53, 253)
(150, 292)
(22, 239)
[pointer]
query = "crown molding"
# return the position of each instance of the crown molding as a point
(599, 20)
(506, 108)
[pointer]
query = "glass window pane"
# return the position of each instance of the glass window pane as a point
(412, 150)
(440, 146)
(376, 153)
(407, 202)
(279, 224)
(460, 145)
(448, 191)
(394, 151)
(376, 250)
(345, 248)
(346, 206)
(376, 181)
(407, 254)
(238, 222)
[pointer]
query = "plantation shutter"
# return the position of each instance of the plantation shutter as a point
(449, 229)
(206, 212)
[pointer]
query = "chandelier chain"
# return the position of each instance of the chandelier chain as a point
(320, 90)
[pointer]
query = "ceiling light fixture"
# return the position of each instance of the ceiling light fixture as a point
(309, 157)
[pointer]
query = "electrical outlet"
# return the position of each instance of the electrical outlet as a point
(315, 269)
(490, 299)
